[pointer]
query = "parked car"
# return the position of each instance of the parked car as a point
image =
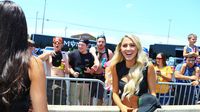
(173, 61)
(48, 49)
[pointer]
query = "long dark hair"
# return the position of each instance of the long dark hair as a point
(163, 59)
(14, 56)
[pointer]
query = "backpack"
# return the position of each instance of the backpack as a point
(106, 51)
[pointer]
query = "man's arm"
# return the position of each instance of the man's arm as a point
(96, 60)
(46, 55)
(180, 74)
(66, 63)
(72, 72)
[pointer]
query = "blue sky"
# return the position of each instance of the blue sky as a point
(148, 19)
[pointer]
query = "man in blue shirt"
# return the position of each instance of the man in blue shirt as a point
(186, 72)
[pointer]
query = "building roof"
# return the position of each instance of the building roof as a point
(87, 35)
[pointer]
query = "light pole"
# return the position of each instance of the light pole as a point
(36, 22)
(43, 16)
(65, 30)
(169, 30)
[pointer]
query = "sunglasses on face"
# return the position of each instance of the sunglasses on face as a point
(159, 58)
(57, 42)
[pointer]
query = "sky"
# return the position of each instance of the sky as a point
(153, 21)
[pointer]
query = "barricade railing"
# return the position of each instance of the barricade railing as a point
(178, 93)
(59, 92)
(76, 91)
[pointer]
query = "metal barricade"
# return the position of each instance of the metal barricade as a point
(76, 91)
(179, 94)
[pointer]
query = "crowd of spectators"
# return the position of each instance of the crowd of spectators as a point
(128, 72)
(94, 63)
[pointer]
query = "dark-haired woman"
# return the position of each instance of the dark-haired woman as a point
(22, 79)
(163, 74)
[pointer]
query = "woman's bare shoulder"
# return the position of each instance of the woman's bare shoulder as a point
(150, 65)
(36, 67)
(35, 61)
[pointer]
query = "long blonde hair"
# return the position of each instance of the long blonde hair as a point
(135, 72)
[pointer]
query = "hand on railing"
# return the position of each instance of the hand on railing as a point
(75, 74)
(193, 77)
(195, 83)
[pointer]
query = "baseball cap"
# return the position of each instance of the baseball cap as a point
(84, 40)
(58, 39)
(148, 103)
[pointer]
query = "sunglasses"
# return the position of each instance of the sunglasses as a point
(159, 58)
(57, 42)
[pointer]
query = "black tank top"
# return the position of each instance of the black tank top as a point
(56, 59)
(22, 102)
(122, 70)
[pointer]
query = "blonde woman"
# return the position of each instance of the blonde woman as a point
(132, 74)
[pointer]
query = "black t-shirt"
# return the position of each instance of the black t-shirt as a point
(122, 70)
(80, 61)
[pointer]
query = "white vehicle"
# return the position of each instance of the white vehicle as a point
(48, 49)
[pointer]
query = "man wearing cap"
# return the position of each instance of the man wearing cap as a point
(81, 65)
(103, 55)
(57, 64)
